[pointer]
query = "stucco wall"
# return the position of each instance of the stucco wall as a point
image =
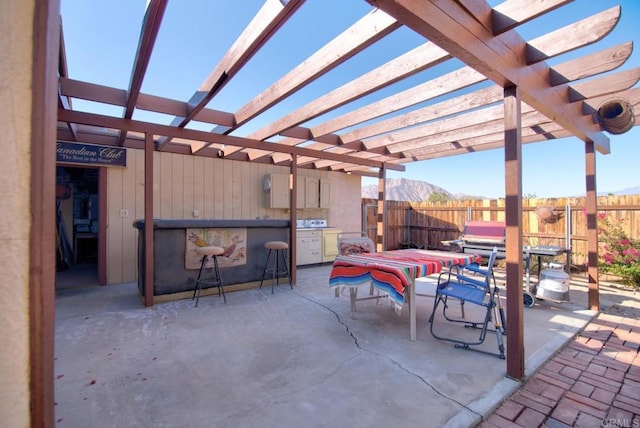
(346, 202)
(16, 18)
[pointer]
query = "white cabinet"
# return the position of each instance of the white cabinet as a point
(325, 193)
(301, 188)
(312, 192)
(329, 244)
(308, 192)
(277, 187)
(316, 245)
(308, 247)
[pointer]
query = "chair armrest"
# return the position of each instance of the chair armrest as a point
(475, 267)
(471, 281)
(445, 276)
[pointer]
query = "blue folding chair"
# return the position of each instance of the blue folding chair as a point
(479, 289)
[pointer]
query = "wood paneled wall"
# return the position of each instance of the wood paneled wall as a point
(212, 189)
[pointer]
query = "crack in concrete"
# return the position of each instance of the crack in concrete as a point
(396, 363)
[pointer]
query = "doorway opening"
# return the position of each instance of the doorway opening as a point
(77, 220)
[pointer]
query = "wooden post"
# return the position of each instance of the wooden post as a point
(102, 226)
(513, 220)
(381, 225)
(44, 39)
(148, 220)
(591, 205)
(293, 203)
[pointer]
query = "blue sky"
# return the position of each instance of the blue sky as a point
(101, 40)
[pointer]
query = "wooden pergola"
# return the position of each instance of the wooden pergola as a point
(504, 95)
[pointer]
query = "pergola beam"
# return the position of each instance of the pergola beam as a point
(264, 25)
(451, 27)
(404, 66)
(192, 134)
(364, 33)
(148, 35)
(569, 71)
(510, 13)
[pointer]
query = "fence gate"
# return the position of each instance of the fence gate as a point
(370, 220)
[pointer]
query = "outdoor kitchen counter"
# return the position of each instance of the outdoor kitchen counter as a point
(176, 266)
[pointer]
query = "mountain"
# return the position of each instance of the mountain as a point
(401, 189)
(627, 191)
(465, 197)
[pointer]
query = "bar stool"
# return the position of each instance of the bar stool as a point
(216, 280)
(280, 248)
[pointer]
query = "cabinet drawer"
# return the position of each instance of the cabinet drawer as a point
(309, 257)
(306, 233)
(310, 243)
(308, 247)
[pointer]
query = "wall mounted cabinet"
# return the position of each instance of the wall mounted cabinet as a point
(310, 192)
(325, 193)
(277, 187)
(301, 188)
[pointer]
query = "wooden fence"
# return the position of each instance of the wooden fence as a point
(556, 221)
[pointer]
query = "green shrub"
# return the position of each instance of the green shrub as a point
(618, 254)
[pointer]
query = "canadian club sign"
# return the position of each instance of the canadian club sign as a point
(89, 154)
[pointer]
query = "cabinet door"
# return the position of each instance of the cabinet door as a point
(279, 192)
(325, 193)
(312, 195)
(302, 249)
(301, 189)
(329, 245)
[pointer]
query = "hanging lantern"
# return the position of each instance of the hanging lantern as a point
(615, 116)
(548, 215)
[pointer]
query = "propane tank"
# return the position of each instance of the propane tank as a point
(553, 285)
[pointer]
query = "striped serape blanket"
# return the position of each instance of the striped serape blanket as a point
(393, 271)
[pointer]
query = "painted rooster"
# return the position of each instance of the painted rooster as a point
(228, 251)
(197, 240)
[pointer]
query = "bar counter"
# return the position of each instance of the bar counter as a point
(175, 268)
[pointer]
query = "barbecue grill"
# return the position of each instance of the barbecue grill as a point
(481, 237)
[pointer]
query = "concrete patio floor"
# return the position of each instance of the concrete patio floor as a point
(295, 358)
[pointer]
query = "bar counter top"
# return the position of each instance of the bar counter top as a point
(201, 223)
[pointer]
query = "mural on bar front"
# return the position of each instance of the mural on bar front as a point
(233, 241)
